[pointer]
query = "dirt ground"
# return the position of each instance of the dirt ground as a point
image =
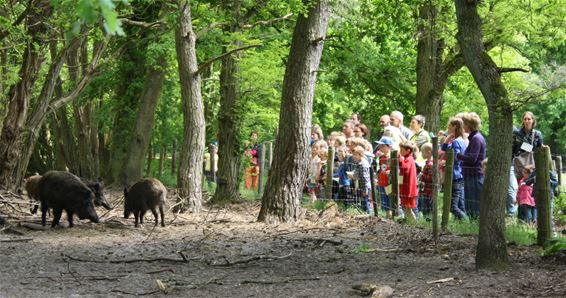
(226, 253)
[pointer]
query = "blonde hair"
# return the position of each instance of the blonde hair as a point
(426, 147)
(318, 131)
(340, 141)
(472, 121)
(321, 144)
(359, 150)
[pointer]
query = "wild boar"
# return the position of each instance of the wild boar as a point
(31, 187)
(98, 190)
(146, 194)
(64, 191)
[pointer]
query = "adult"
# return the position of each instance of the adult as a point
(316, 134)
(384, 121)
(455, 140)
(397, 121)
(361, 131)
(472, 159)
(525, 139)
(348, 128)
(356, 118)
(420, 135)
(253, 152)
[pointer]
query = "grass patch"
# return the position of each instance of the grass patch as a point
(363, 248)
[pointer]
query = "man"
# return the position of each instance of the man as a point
(397, 121)
(348, 128)
(383, 123)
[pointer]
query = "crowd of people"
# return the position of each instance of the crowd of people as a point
(357, 161)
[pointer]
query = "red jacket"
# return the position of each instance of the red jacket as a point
(408, 170)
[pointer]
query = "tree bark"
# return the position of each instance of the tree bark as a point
(282, 197)
(492, 248)
(229, 147)
(429, 57)
(190, 174)
(11, 137)
(141, 136)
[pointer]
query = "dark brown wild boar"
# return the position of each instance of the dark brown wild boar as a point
(146, 194)
(64, 191)
(31, 188)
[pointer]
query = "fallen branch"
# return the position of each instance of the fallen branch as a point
(135, 294)
(185, 260)
(256, 258)
(438, 281)
(161, 270)
(16, 240)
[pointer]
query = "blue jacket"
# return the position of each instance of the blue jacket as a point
(459, 147)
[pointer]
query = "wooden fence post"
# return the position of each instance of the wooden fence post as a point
(270, 154)
(162, 157)
(558, 167)
(542, 194)
(174, 158)
(374, 191)
(448, 176)
(261, 168)
(329, 174)
(394, 198)
(435, 183)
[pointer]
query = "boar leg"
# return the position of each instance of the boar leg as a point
(70, 218)
(162, 217)
(136, 217)
(43, 214)
(142, 214)
(56, 216)
(155, 215)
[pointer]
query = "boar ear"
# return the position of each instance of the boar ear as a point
(125, 191)
(99, 185)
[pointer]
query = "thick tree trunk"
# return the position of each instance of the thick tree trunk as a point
(189, 179)
(229, 152)
(429, 57)
(141, 136)
(12, 134)
(492, 248)
(282, 197)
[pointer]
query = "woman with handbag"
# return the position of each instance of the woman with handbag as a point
(525, 140)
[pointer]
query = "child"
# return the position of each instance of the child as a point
(323, 155)
(342, 175)
(527, 207)
(384, 149)
(361, 175)
(425, 198)
(408, 190)
(314, 169)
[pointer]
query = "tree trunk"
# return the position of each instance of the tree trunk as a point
(229, 152)
(282, 197)
(189, 179)
(428, 103)
(141, 136)
(174, 157)
(12, 134)
(492, 248)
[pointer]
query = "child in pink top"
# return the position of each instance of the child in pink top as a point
(525, 199)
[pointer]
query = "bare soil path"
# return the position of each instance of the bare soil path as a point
(226, 253)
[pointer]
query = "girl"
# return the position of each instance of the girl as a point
(425, 198)
(408, 190)
(362, 176)
(384, 144)
(455, 140)
(527, 209)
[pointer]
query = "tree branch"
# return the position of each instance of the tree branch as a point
(140, 23)
(510, 69)
(268, 22)
(204, 65)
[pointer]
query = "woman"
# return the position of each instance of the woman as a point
(361, 131)
(472, 159)
(526, 138)
(420, 136)
(455, 141)
(253, 153)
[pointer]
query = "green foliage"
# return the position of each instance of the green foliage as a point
(364, 248)
(88, 12)
(554, 247)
